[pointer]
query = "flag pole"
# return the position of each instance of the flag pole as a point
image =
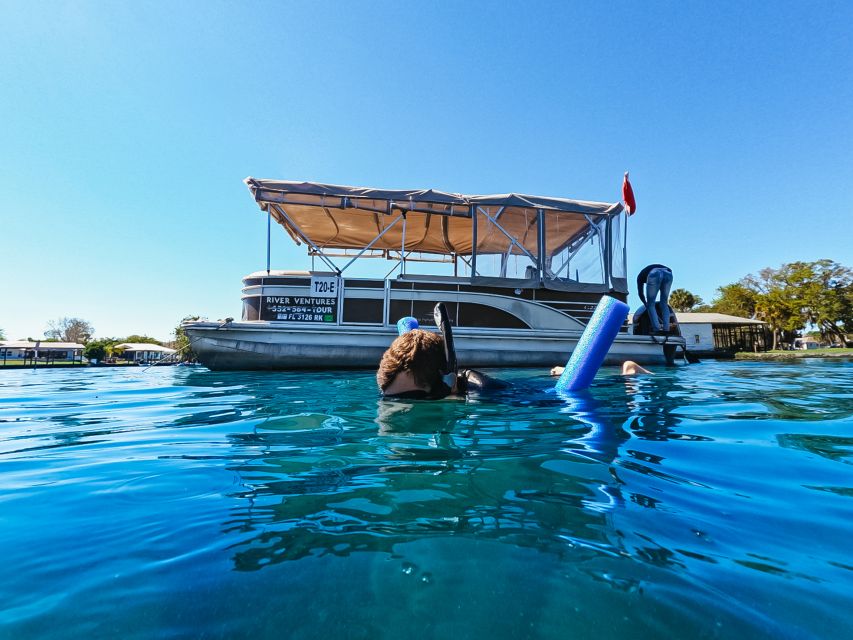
(630, 206)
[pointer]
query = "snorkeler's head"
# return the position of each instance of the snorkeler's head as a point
(419, 352)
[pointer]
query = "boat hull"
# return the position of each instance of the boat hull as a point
(263, 345)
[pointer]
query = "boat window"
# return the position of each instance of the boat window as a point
(576, 249)
(484, 316)
(363, 310)
(618, 254)
(352, 283)
(251, 308)
(421, 310)
(507, 242)
(463, 314)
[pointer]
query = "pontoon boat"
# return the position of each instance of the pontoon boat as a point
(521, 277)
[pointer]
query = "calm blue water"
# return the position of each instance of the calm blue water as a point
(714, 500)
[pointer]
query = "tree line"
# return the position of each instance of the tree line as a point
(81, 331)
(796, 296)
(792, 298)
(107, 347)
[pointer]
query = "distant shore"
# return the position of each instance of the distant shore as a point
(794, 355)
(79, 365)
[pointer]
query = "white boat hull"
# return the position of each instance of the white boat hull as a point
(265, 345)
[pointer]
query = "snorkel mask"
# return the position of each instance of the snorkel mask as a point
(442, 321)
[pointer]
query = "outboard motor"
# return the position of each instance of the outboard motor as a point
(643, 325)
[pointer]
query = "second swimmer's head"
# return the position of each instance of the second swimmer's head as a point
(419, 353)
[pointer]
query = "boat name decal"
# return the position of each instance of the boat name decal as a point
(299, 309)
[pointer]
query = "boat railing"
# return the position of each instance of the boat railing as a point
(417, 277)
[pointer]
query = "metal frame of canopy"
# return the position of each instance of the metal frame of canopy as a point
(277, 197)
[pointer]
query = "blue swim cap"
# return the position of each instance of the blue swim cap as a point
(404, 325)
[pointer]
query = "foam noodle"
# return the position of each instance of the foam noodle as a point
(593, 345)
(404, 325)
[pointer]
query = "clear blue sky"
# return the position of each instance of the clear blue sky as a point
(126, 129)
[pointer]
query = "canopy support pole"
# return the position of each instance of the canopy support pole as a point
(269, 227)
(393, 269)
(403, 247)
(307, 240)
(625, 248)
(505, 260)
(596, 231)
(372, 242)
(473, 263)
(608, 253)
(565, 265)
(540, 243)
(506, 233)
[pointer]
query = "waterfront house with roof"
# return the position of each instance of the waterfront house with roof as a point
(711, 334)
(39, 352)
(143, 352)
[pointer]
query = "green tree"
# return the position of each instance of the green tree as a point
(682, 300)
(826, 293)
(735, 299)
(818, 294)
(794, 297)
(778, 294)
(142, 339)
(2, 334)
(182, 344)
(100, 349)
(95, 350)
(69, 330)
(780, 312)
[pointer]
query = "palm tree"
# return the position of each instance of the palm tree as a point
(682, 300)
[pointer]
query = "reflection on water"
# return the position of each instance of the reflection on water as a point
(682, 504)
(839, 448)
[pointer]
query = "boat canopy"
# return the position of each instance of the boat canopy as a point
(381, 221)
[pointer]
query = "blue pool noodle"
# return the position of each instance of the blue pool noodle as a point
(593, 345)
(404, 325)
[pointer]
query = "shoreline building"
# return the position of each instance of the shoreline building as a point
(719, 334)
(39, 352)
(807, 343)
(144, 353)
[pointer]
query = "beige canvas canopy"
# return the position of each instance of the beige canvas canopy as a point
(340, 217)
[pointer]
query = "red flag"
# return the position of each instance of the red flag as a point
(628, 196)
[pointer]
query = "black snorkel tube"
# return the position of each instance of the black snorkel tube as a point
(442, 321)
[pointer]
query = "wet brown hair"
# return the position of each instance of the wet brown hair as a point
(418, 351)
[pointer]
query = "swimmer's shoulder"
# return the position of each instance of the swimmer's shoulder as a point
(480, 382)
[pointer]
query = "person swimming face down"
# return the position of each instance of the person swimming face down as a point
(412, 366)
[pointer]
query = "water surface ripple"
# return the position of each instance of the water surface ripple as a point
(710, 501)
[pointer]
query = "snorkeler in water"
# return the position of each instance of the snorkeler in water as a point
(422, 365)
